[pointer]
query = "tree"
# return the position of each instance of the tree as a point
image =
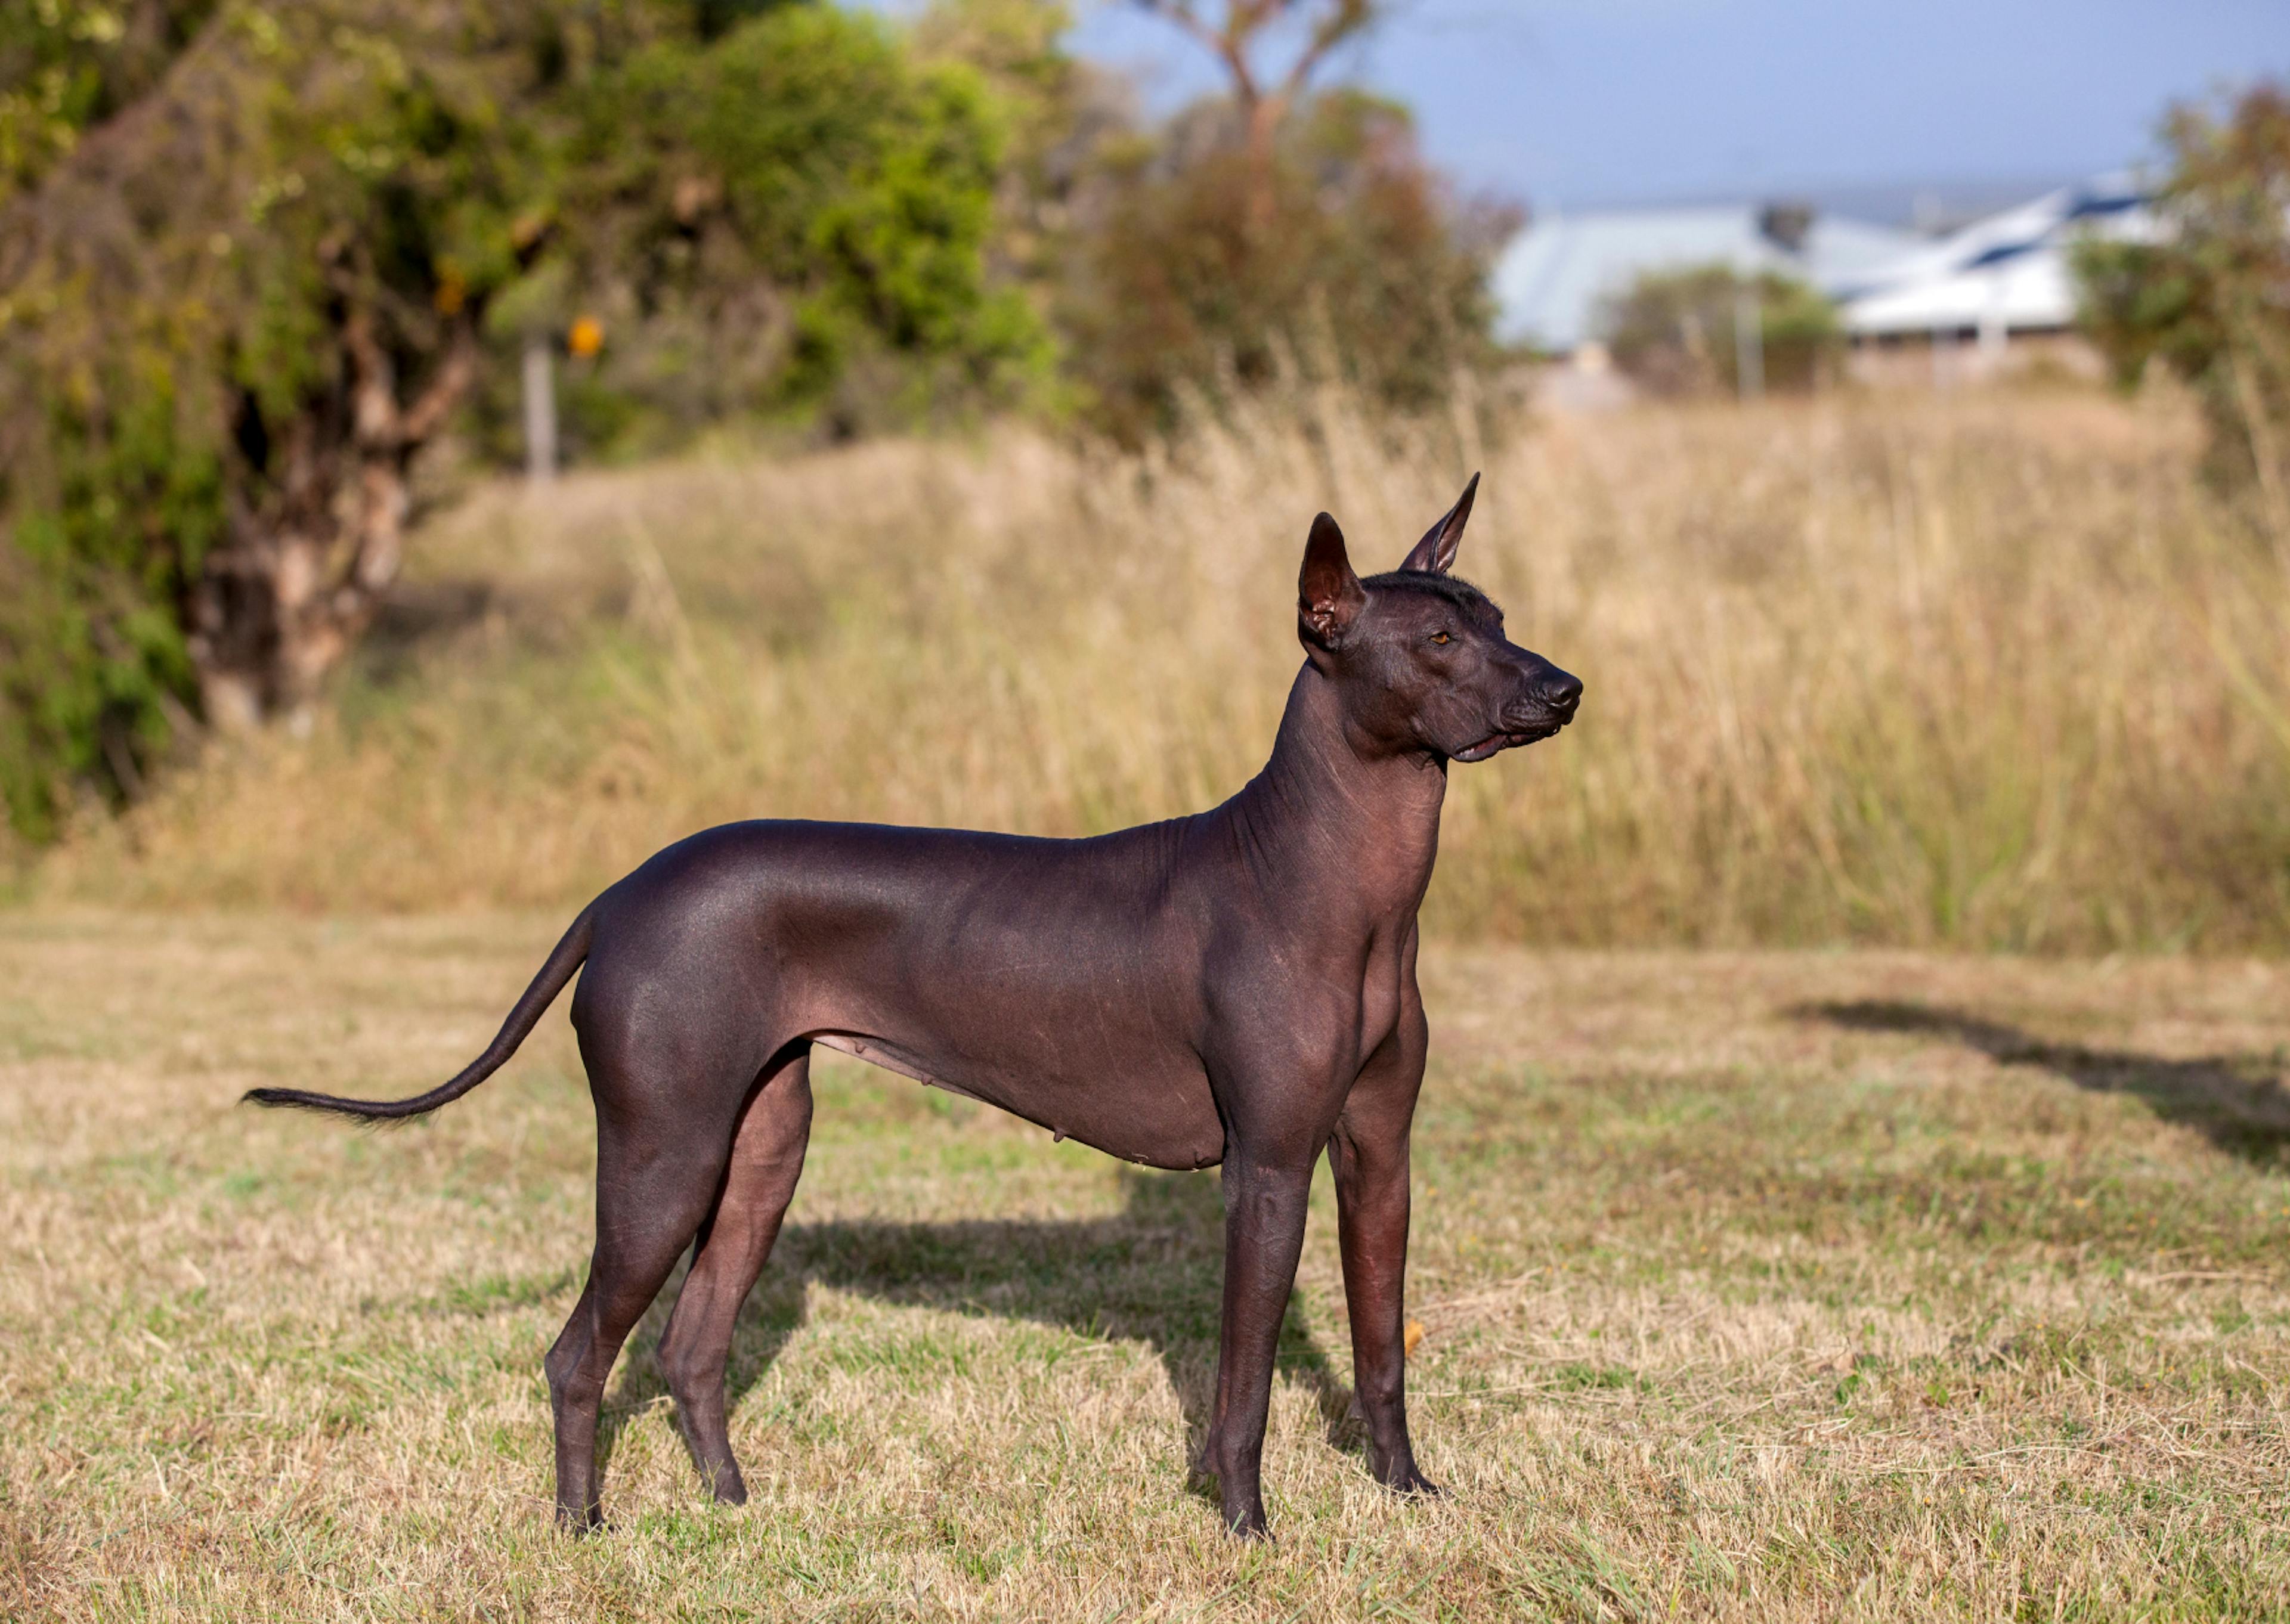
(1673, 332)
(229, 318)
(234, 312)
(1277, 224)
(2209, 296)
(1237, 32)
(790, 217)
(1365, 265)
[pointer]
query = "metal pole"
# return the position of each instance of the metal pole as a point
(540, 412)
(1749, 341)
(1995, 335)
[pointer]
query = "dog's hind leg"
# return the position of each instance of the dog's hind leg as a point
(735, 1243)
(656, 1179)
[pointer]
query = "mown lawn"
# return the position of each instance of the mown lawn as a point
(1756, 1286)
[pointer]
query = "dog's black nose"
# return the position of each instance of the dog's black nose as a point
(1561, 692)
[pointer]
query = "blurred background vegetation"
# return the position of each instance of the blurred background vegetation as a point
(261, 262)
(904, 369)
(2210, 300)
(1680, 333)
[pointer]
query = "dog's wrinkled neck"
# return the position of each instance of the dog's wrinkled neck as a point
(1339, 804)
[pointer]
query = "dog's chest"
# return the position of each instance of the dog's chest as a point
(1380, 997)
(1365, 982)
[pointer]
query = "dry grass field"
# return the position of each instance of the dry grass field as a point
(1756, 1285)
(1990, 670)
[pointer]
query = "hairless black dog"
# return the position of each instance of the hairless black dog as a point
(1237, 987)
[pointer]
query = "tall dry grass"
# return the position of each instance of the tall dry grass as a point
(1992, 671)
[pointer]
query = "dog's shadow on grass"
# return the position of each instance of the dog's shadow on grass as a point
(1151, 1273)
(2236, 1101)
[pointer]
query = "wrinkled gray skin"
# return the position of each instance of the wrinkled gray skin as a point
(1235, 988)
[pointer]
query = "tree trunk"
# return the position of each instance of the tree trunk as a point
(1262, 115)
(312, 556)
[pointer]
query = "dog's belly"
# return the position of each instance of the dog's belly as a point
(1158, 1116)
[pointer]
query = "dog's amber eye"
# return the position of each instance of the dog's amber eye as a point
(1441, 638)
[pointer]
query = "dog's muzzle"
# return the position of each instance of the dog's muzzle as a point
(1509, 740)
(1552, 708)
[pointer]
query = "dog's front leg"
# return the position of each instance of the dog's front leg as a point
(1368, 1152)
(1264, 1202)
(1371, 1203)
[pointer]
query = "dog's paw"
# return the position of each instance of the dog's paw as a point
(1248, 1523)
(1408, 1479)
(581, 1522)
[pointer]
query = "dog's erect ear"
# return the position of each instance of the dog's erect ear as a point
(1436, 553)
(1328, 596)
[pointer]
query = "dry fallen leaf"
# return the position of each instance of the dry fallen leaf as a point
(1411, 1337)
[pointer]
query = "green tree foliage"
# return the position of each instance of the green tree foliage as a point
(790, 215)
(1192, 273)
(2210, 297)
(1674, 332)
(232, 312)
(1054, 112)
(165, 295)
(67, 64)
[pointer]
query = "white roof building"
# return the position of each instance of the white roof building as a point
(1551, 281)
(2008, 273)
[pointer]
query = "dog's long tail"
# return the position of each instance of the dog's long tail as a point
(563, 962)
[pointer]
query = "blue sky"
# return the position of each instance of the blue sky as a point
(1571, 102)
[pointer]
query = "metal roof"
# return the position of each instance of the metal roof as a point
(2009, 271)
(1550, 282)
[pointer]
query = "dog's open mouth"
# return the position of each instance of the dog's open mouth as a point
(1511, 740)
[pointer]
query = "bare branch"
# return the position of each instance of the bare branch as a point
(374, 416)
(1343, 20)
(1229, 43)
(426, 415)
(1243, 23)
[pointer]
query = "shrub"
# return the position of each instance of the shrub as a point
(1363, 266)
(232, 314)
(2209, 298)
(1673, 331)
(791, 216)
(67, 65)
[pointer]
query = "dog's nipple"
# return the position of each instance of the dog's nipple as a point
(1057, 1136)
